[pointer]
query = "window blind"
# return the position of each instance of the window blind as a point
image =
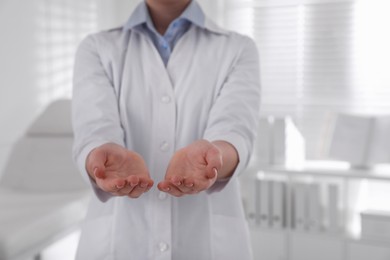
(316, 59)
(61, 24)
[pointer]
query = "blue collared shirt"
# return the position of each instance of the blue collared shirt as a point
(141, 20)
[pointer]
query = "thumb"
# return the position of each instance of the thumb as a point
(96, 163)
(99, 173)
(214, 162)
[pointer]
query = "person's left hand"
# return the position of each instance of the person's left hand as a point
(192, 169)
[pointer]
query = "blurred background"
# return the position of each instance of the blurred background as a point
(318, 184)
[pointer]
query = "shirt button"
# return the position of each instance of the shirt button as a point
(166, 99)
(163, 246)
(164, 146)
(162, 195)
(164, 45)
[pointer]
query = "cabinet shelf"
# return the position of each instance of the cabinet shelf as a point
(329, 169)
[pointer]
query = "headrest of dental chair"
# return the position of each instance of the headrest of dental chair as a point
(55, 120)
(41, 160)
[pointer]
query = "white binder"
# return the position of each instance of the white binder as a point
(257, 217)
(278, 189)
(300, 206)
(264, 203)
(314, 210)
(333, 208)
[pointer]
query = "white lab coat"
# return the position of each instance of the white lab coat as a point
(123, 93)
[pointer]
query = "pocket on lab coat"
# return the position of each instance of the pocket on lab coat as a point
(230, 238)
(96, 238)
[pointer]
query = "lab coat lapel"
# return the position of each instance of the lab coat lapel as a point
(156, 64)
(178, 62)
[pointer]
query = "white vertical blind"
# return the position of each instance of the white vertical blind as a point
(314, 55)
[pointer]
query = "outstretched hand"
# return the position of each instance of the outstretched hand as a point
(118, 171)
(192, 169)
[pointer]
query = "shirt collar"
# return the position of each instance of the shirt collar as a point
(193, 13)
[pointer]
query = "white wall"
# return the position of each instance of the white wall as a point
(124, 9)
(17, 84)
(214, 9)
(114, 13)
(16, 66)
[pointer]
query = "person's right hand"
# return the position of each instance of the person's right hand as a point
(118, 171)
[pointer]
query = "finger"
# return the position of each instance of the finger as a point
(146, 181)
(120, 184)
(189, 182)
(174, 191)
(131, 183)
(117, 186)
(168, 187)
(125, 190)
(180, 184)
(136, 192)
(133, 180)
(107, 185)
(164, 186)
(142, 185)
(214, 158)
(111, 185)
(176, 180)
(185, 190)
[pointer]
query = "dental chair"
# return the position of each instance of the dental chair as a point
(43, 198)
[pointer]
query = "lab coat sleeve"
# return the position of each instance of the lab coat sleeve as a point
(95, 114)
(234, 115)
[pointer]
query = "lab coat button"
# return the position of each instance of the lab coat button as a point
(163, 246)
(166, 99)
(162, 195)
(164, 146)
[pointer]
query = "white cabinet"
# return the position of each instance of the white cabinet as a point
(268, 244)
(360, 250)
(316, 247)
(330, 230)
(287, 245)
